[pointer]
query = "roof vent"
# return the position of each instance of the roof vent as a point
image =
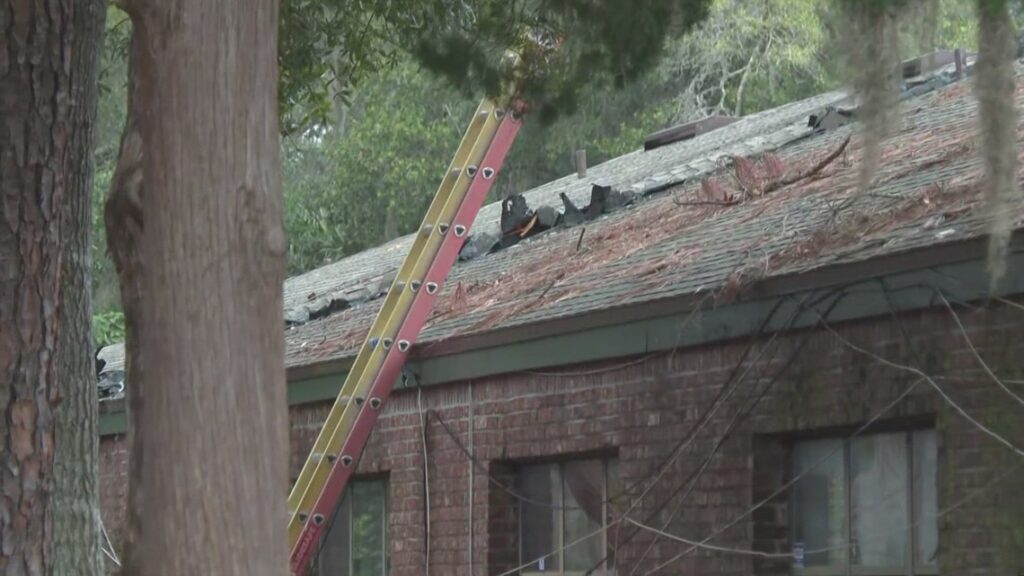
(686, 131)
(927, 63)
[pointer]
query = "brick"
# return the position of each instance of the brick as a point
(639, 414)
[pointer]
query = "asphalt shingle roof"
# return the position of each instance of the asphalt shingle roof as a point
(926, 192)
(673, 243)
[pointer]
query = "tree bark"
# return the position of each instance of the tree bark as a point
(208, 410)
(46, 113)
(76, 529)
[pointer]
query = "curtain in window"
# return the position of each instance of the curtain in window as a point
(880, 518)
(584, 508)
(540, 525)
(819, 502)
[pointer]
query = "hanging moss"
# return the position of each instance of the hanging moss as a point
(995, 87)
(872, 58)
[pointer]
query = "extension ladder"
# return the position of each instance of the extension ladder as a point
(327, 470)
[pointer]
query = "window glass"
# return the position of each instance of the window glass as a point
(867, 506)
(879, 506)
(583, 500)
(356, 543)
(368, 524)
(568, 534)
(819, 502)
(334, 556)
(540, 525)
(925, 500)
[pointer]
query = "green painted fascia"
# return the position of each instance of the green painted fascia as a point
(112, 423)
(913, 290)
(315, 389)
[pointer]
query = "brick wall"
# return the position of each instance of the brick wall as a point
(810, 383)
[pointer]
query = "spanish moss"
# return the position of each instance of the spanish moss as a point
(873, 58)
(995, 89)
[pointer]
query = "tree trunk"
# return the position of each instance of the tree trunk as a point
(46, 112)
(209, 408)
(76, 529)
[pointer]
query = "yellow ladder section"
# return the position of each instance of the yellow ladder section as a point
(389, 319)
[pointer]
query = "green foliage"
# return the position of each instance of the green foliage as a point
(108, 328)
(386, 159)
(600, 43)
(109, 122)
(327, 46)
(371, 131)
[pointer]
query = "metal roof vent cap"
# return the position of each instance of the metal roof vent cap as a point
(686, 131)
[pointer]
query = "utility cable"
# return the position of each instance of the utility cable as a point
(426, 480)
(921, 377)
(875, 535)
(786, 486)
(931, 381)
(739, 417)
(977, 355)
(108, 548)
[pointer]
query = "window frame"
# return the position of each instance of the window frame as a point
(559, 545)
(911, 567)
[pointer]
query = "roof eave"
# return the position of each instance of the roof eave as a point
(824, 277)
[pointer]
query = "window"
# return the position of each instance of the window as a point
(867, 507)
(578, 492)
(357, 544)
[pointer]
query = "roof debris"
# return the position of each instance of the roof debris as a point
(519, 221)
(111, 385)
(319, 306)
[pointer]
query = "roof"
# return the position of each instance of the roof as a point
(703, 223)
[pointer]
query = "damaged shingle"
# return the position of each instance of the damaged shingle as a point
(477, 245)
(319, 307)
(111, 385)
(572, 215)
(519, 221)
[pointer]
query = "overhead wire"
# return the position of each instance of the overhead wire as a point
(977, 355)
(426, 481)
(697, 309)
(922, 377)
(701, 543)
(738, 417)
(788, 484)
(696, 544)
(1010, 303)
(108, 545)
(875, 535)
(724, 392)
(931, 381)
